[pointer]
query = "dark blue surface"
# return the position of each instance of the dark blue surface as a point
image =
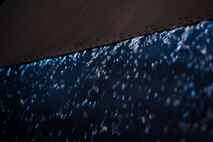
(153, 88)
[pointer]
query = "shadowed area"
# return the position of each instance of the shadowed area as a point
(1, 2)
(37, 29)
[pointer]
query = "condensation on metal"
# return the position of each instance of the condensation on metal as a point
(157, 87)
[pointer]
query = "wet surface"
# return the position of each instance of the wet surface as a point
(152, 88)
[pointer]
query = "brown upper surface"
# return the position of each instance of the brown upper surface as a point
(37, 29)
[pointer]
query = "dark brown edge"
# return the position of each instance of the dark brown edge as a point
(149, 29)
